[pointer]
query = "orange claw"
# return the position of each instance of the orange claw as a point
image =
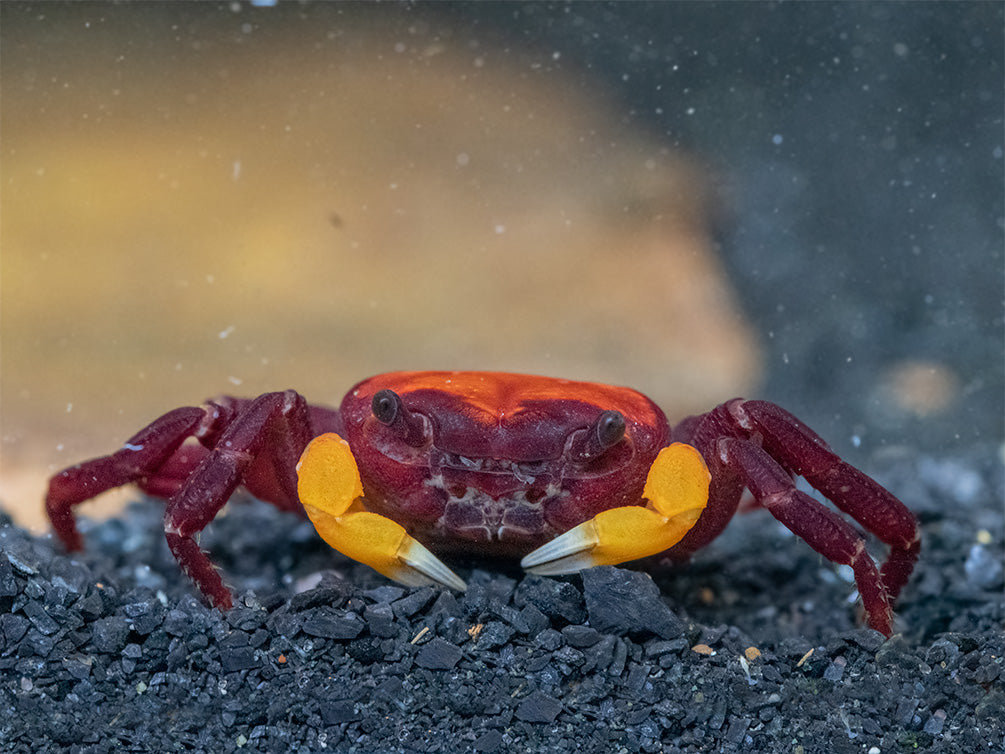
(677, 490)
(328, 484)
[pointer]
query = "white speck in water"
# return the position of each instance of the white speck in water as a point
(846, 573)
(777, 139)
(235, 380)
(69, 407)
(499, 229)
(463, 159)
(235, 172)
(224, 333)
(60, 447)
(130, 446)
(856, 441)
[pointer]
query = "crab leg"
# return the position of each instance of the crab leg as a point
(677, 490)
(330, 491)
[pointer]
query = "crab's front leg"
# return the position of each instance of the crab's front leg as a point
(677, 491)
(330, 491)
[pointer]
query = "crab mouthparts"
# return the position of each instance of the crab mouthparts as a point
(494, 501)
(524, 471)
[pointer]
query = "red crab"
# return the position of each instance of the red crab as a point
(565, 474)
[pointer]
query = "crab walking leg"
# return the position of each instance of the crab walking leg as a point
(677, 489)
(330, 489)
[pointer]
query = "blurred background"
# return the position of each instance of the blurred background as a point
(801, 202)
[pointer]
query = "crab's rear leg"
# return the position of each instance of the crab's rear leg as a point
(818, 526)
(151, 458)
(330, 491)
(269, 432)
(677, 491)
(800, 450)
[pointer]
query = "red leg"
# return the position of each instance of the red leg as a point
(263, 441)
(818, 526)
(252, 442)
(140, 460)
(800, 450)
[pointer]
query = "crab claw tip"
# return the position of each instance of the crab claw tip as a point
(568, 553)
(419, 567)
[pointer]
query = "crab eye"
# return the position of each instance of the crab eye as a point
(606, 432)
(610, 429)
(389, 410)
(385, 406)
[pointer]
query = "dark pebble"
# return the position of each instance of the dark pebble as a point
(558, 600)
(39, 618)
(438, 654)
(581, 636)
(110, 634)
(490, 741)
(332, 623)
(538, 707)
(621, 602)
(338, 712)
(238, 658)
(8, 587)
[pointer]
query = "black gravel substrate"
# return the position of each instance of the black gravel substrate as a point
(754, 647)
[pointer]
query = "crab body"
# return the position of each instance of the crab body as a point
(497, 468)
(563, 474)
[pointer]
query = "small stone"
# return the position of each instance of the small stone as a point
(489, 741)
(13, 627)
(109, 634)
(556, 599)
(334, 712)
(40, 618)
(494, 634)
(621, 601)
(438, 654)
(332, 623)
(380, 620)
(238, 658)
(581, 636)
(366, 651)
(8, 586)
(538, 707)
(835, 670)
(413, 602)
(385, 594)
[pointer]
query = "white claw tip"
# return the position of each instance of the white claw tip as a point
(422, 568)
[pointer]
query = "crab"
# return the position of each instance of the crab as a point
(564, 474)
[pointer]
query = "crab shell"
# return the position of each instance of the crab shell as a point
(495, 471)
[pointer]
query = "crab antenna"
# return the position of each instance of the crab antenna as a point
(389, 410)
(606, 432)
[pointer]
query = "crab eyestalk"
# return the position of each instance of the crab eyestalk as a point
(606, 432)
(390, 410)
